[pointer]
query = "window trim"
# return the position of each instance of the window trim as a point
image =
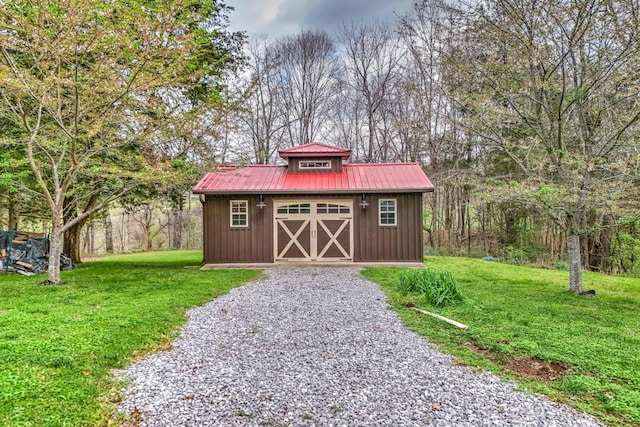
(395, 212)
(299, 206)
(240, 214)
(301, 167)
(340, 209)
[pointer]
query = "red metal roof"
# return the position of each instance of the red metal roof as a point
(354, 178)
(315, 149)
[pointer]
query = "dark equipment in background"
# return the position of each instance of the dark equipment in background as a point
(27, 253)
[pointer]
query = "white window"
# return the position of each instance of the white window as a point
(324, 208)
(239, 213)
(387, 210)
(323, 164)
(298, 208)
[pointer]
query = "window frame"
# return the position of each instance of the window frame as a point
(239, 214)
(327, 208)
(386, 211)
(299, 208)
(327, 167)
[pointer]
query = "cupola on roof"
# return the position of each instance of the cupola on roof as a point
(315, 149)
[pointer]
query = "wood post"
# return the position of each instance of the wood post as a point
(437, 316)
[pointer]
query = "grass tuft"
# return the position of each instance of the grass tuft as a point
(435, 288)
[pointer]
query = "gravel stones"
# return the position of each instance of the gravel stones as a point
(319, 347)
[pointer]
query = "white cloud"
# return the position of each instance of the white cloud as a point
(280, 17)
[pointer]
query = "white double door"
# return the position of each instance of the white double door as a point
(315, 230)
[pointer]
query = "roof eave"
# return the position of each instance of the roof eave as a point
(343, 156)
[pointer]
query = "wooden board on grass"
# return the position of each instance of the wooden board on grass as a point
(25, 264)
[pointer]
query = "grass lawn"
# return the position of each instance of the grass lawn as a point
(517, 312)
(59, 343)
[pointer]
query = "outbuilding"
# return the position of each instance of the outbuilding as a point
(318, 208)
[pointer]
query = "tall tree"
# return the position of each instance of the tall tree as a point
(308, 69)
(262, 119)
(554, 86)
(78, 76)
(426, 117)
(372, 55)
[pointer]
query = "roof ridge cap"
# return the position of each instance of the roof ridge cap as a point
(322, 144)
(382, 164)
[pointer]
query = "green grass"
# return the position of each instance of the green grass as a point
(515, 312)
(58, 344)
(432, 287)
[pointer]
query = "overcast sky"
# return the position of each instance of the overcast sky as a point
(275, 18)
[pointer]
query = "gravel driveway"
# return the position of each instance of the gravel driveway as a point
(319, 347)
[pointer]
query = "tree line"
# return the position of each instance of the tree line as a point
(523, 113)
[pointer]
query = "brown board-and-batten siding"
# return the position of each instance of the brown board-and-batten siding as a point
(402, 242)
(255, 244)
(226, 244)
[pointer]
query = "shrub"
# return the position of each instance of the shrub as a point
(516, 255)
(561, 265)
(436, 288)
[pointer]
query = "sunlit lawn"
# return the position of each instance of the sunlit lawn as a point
(514, 312)
(58, 344)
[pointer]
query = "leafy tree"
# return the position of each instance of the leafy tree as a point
(553, 85)
(84, 80)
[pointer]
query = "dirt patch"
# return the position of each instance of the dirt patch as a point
(541, 369)
(527, 366)
(475, 347)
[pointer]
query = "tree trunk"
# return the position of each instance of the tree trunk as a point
(461, 217)
(575, 264)
(71, 242)
(586, 243)
(108, 234)
(55, 249)
(602, 249)
(89, 238)
(14, 213)
(123, 236)
(176, 213)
